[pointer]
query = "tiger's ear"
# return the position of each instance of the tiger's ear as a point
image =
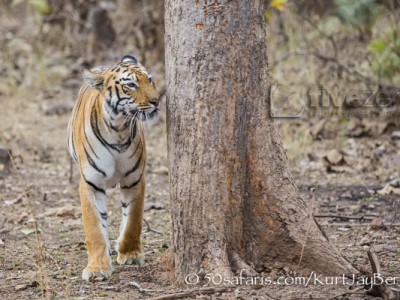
(94, 79)
(129, 58)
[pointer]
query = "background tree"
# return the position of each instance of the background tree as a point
(234, 203)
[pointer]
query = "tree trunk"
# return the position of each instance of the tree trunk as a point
(234, 204)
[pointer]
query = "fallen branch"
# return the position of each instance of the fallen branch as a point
(150, 229)
(362, 218)
(381, 289)
(356, 291)
(374, 261)
(140, 288)
(19, 197)
(360, 224)
(396, 209)
(194, 292)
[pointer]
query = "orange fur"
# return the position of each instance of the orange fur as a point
(90, 118)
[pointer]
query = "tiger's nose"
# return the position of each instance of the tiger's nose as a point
(155, 101)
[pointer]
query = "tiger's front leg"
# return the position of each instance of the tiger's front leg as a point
(94, 217)
(129, 246)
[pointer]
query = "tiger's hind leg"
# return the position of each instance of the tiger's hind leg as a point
(94, 217)
(129, 246)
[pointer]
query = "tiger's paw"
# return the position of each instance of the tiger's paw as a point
(97, 273)
(131, 257)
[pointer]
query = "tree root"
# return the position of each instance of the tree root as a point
(238, 264)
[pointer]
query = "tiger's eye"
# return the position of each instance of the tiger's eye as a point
(132, 85)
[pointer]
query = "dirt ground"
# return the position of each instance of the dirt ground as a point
(42, 251)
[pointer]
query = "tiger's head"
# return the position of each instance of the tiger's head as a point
(128, 89)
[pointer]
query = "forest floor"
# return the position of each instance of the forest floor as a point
(42, 250)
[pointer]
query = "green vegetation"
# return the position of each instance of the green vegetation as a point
(361, 13)
(386, 55)
(41, 6)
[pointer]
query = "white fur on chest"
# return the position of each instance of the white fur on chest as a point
(123, 162)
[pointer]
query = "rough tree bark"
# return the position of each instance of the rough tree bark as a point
(234, 203)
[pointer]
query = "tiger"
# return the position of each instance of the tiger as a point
(106, 140)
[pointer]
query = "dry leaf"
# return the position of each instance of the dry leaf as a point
(64, 211)
(18, 218)
(355, 128)
(365, 241)
(5, 160)
(340, 169)
(28, 231)
(317, 128)
(14, 201)
(21, 287)
(395, 135)
(316, 166)
(78, 245)
(343, 229)
(68, 211)
(377, 224)
(334, 157)
(156, 206)
(161, 170)
(392, 187)
(349, 160)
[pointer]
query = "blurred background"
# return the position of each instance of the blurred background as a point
(49, 42)
(335, 77)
